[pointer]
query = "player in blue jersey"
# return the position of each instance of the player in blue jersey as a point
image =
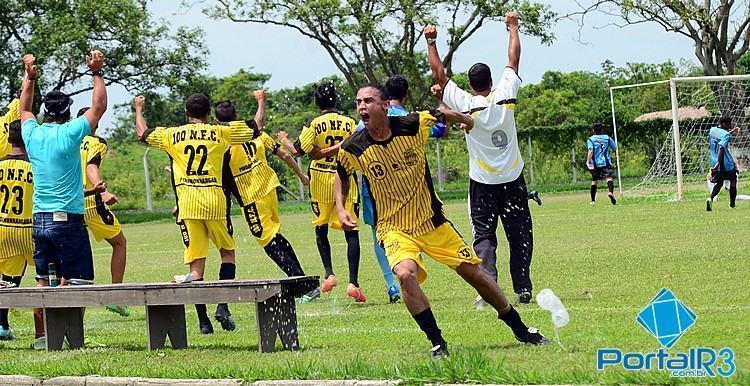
(599, 162)
(722, 166)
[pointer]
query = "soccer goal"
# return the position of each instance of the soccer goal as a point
(681, 159)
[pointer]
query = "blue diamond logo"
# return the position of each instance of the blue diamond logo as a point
(666, 318)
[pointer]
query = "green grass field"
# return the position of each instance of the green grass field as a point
(622, 256)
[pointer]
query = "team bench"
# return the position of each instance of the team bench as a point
(165, 307)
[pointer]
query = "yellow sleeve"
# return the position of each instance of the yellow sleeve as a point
(14, 113)
(97, 150)
(268, 142)
(306, 139)
(427, 120)
(239, 132)
(156, 138)
(346, 163)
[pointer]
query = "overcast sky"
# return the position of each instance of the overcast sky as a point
(294, 60)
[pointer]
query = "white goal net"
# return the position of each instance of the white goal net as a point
(680, 165)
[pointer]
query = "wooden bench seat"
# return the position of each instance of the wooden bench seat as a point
(165, 307)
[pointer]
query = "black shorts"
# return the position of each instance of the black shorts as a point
(602, 173)
(719, 176)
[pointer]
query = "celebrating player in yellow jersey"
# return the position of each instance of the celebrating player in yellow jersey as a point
(197, 151)
(13, 114)
(390, 154)
(327, 130)
(16, 244)
(254, 184)
(102, 223)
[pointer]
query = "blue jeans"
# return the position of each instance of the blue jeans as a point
(64, 243)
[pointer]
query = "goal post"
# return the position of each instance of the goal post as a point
(695, 104)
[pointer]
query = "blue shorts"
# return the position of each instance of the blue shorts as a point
(368, 213)
(65, 243)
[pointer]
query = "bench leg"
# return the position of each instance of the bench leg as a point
(277, 316)
(60, 323)
(166, 321)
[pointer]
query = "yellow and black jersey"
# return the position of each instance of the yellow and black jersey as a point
(93, 150)
(252, 175)
(11, 116)
(324, 131)
(397, 174)
(197, 152)
(16, 190)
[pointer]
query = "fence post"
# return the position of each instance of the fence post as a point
(573, 162)
(531, 161)
(439, 157)
(149, 205)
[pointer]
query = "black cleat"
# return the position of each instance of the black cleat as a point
(524, 297)
(224, 317)
(534, 337)
(708, 204)
(206, 328)
(440, 351)
(534, 195)
(612, 199)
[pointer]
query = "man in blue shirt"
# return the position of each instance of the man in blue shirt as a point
(59, 233)
(599, 162)
(722, 163)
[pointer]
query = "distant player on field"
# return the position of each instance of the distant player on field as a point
(16, 244)
(197, 151)
(102, 223)
(599, 161)
(253, 184)
(390, 154)
(722, 165)
(327, 130)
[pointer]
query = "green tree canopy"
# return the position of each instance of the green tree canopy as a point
(141, 53)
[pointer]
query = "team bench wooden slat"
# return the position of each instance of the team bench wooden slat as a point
(165, 307)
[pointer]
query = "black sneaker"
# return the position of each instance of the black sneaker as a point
(206, 328)
(534, 337)
(708, 205)
(534, 195)
(524, 297)
(612, 199)
(224, 317)
(440, 351)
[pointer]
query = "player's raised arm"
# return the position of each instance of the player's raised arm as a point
(27, 88)
(293, 165)
(514, 44)
(95, 61)
(436, 65)
(260, 114)
(141, 126)
(330, 151)
(283, 137)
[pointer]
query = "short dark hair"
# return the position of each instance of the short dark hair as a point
(225, 111)
(379, 87)
(57, 106)
(597, 127)
(725, 120)
(82, 111)
(325, 95)
(14, 134)
(197, 106)
(397, 87)
(480, 77)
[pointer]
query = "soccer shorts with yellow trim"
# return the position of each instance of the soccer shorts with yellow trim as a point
(196, 233)
(444, 244)
(102, 223)
(15, 265)
(262, 217)
(324, 213)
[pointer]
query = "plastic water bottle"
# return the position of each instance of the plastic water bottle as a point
(548, 301)
(53, 280)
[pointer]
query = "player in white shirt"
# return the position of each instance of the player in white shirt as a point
(497, 189)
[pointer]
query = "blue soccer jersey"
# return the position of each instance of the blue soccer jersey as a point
(600, 145)
(717, 139)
